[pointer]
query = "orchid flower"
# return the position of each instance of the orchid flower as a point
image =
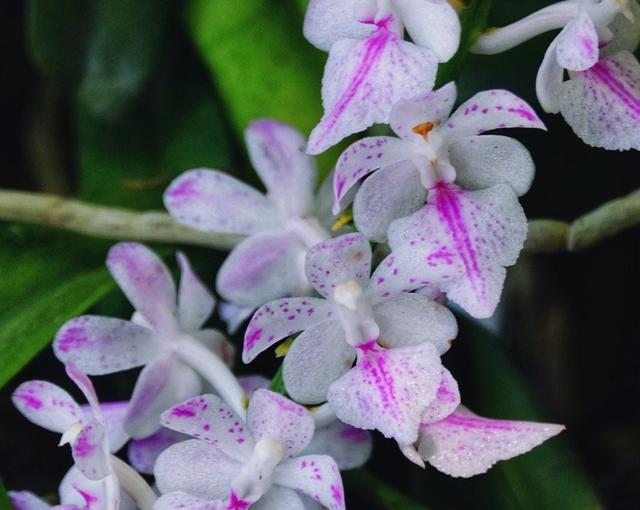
(370, 65)
(233, 465)
(396, 343)
(472, 225)
(268, 264)
(164, 336)
(601, 98)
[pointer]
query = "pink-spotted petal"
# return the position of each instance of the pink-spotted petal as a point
(487, 110)
(577, 44)
(548, 80)
(464, 444)
(90, 451)
(103, 345)
(270, 415)
(161, 384)
(602, 104)
(277, 152)
(348, 446)
(446, 402)
(339, 260)
(143, 453)
(182, 501)
(282, 318)
(146, 282)
(212, 201)
(77, 492)
(364, 78)
(360, 159)
(25, 500)
(487, 160)
(433, 24)
(316, 476)
(459, 243)
(195, 301)
(392, 192)
(209, 418)
(388, 390)
(197, 468)
(47, 405)
(328, 21)
(262, 268)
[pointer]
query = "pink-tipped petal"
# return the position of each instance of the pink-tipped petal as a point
(209, 418)
(25, 500)
(143, 453)
(182, 501)
(316, 476)
(447, 399)
(103, 345)
(282, 318)
(328, 21)
(90, 451)
(47, 405)
(146, 282)
(270, 415)
(577, 44)
(212, 201)
(602, 104)
(348, 446)
(277, 152)
(388, 390)
(464, 444)
(364, 78)
(339, 260)
(360, 159)
(195, 301)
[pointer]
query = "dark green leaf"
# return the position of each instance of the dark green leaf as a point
(376, 491)
(4, 498)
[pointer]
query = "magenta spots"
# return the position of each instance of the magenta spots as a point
(236, 503)
(336, 494)
(73, 338)
(30, 400)
(83, 447)
(251, 338)
(183, 412)
(526, 113)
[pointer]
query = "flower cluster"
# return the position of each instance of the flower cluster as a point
(359, 311)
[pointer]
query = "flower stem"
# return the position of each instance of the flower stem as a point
(214, 371)
(133, 484)
(372, 489)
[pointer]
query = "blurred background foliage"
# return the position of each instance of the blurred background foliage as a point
(109, 100)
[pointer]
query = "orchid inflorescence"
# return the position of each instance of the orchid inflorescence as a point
(362, 330)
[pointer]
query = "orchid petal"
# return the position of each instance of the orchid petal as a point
(25, 500)
(90, 451)
(464, 444)
(209, 418)
(195, 301)
(487, 110)
(577, 44)
(197, 468)
(316, 476)
(143, 453)
(460, 243)
(270, 415)
(392, 192)
(328, 21)
(103, 345)
(233, 316)
(217, 343)
(212, 201)
(410, 319)
(251, 383)
(161, 384)
(114, 415)
(278, 498)
(433, 24)
(282, 318)
(181, 500)
(602, 104)
(47, 405)
(146, 282)
(447, 399)
(487, 160)
(262, 268)
(360, 159)
(85, 385)
(548, 81)
(388, 390)
(323, 202)
(317, 358)
(77, 492)
(339, 260)
(363, 79)
(348, 446)
(277, 152)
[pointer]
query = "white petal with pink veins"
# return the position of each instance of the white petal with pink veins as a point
(348, 446)
(577, 44)
(602, 104)
(447, 399)
(209, 418)
(212, 201)
(364, 78)
(272, 416)
(195, 301)
(316, 476)
(47, 405)
(388, 389)
(90, 453)
(277, 152)
(464, 444)
(460, 243)
(281, 318)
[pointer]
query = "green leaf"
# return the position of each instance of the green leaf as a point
(373, 489)
(4, 498)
